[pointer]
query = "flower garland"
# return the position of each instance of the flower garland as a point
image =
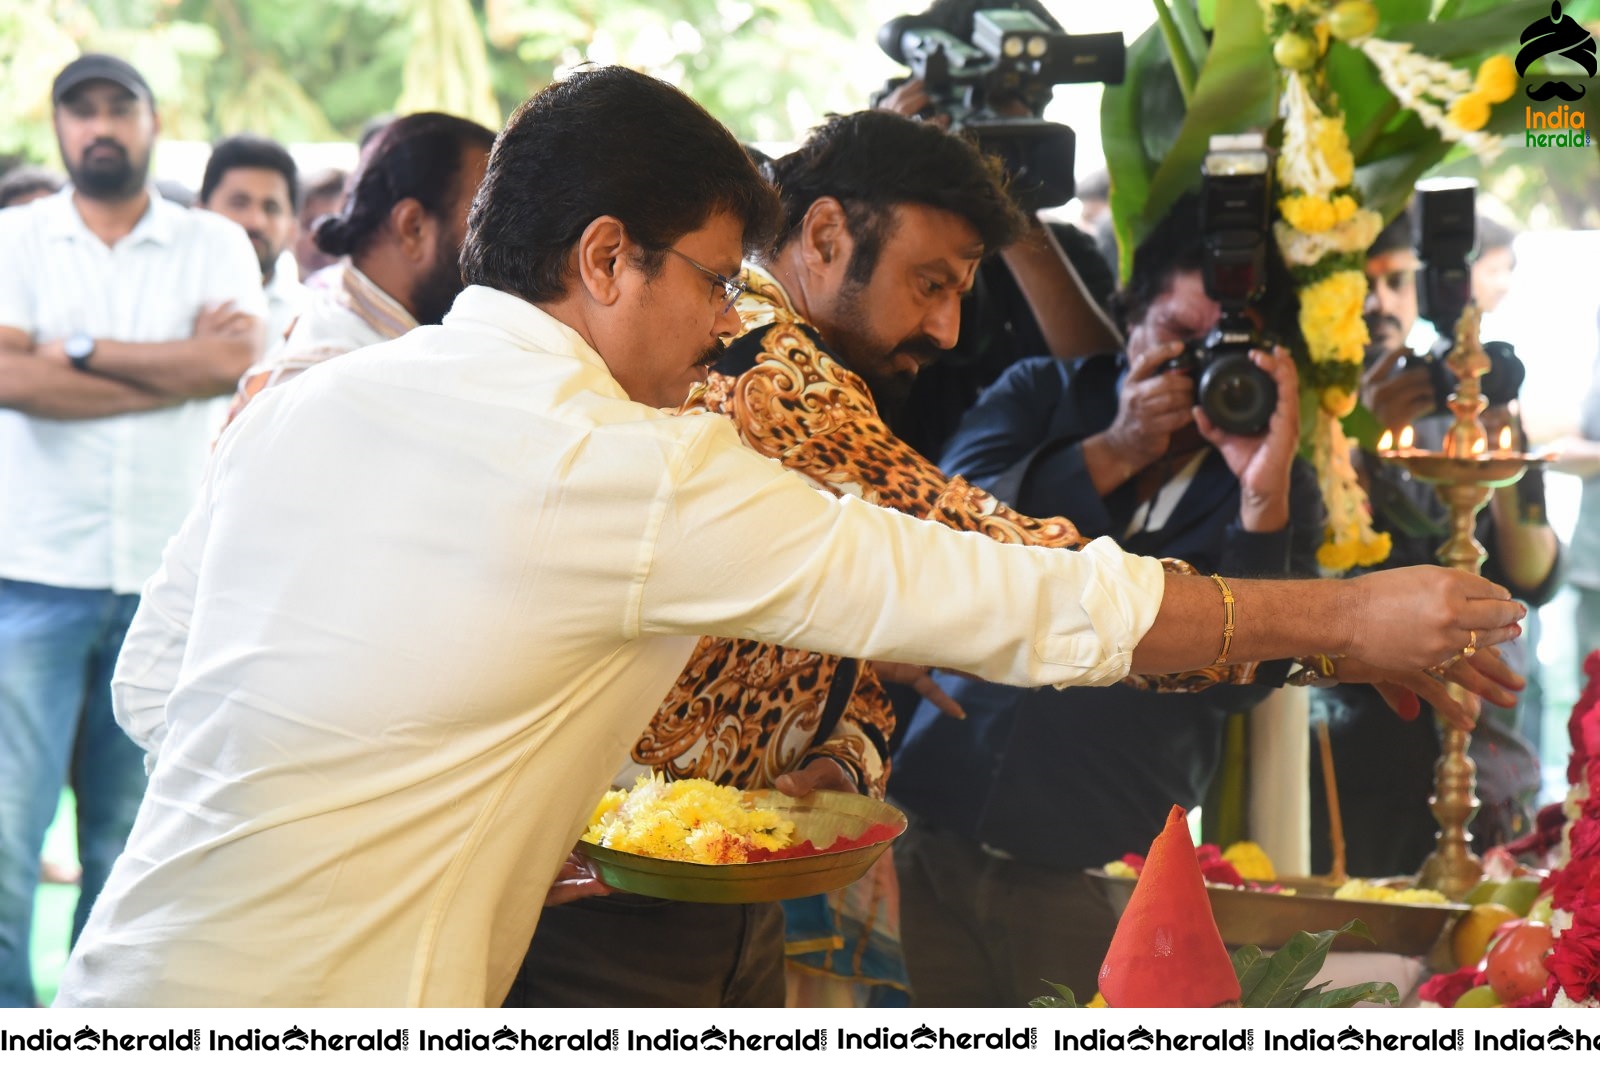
(1324, 231)
(1574, 961)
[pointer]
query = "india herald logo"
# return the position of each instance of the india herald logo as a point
(1562, 35)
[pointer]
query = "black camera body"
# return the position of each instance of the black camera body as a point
(974, 56)
(1500, 384)
(1235, 208)
(1444, 229)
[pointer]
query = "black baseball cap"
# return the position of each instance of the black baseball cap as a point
(99, 67)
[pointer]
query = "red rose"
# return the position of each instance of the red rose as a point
(1134, 861)
(1585, 839)
(1214, 869)
(1575, 960)
(1577, 884)
(1446, 989)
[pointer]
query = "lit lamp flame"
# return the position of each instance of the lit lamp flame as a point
(1505, 439)
(1407, 436)
(1478, 446)
(1386, 442)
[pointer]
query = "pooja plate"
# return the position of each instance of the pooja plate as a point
(1256, 918)
(821, 817)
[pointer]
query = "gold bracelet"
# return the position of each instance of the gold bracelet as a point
(1227, 626)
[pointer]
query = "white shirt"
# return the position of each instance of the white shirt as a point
(90, 503)
(285, 299)
(348, 311)
(428, 599)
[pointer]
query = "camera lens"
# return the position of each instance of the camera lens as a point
(1238, 396)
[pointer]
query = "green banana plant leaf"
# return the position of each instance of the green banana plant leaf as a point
(1494, 29)
(1236, 91)
(1154, 144)
(1128, 160)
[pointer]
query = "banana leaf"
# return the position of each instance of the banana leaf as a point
(1122, 139)
(1153, 144)
(1236, 91)
(1494, 29)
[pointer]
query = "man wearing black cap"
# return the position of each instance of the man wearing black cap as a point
(121, 317)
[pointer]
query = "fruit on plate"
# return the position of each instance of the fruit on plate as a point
(1479, 997)
(1471, 937)
(1517, 894)
(1483, 893)
(1515, 962)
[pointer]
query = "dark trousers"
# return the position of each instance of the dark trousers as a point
(632, 952)
(979, 930)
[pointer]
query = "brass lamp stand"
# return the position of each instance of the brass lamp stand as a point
(1465, 472)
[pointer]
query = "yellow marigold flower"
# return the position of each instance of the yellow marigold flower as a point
(1362, 890)
(1336, 556)
(1334, 144)
(1250, 861)
(1330, 316)
(1309, 215)
(1097, 1002)
(1497, 79)
(1338, 402)
(1374, 550)
(1344, 208)
(1470, 111)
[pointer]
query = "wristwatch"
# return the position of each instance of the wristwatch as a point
(79, 347)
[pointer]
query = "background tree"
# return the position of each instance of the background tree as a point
(317, 71)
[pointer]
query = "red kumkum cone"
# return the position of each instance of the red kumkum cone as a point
(1167, 952)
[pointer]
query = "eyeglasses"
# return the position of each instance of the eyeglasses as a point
(732, 288)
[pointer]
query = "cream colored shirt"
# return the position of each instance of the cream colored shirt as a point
(426, 602)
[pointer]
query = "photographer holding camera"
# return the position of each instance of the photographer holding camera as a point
(993, 894)
(1043, 294)
(1384, 766)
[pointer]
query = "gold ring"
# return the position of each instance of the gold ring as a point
(1467, 652)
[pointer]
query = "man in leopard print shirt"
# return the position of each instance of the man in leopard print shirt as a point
(886, 221)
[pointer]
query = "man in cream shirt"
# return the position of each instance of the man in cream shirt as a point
(122, 316)
(431, 593)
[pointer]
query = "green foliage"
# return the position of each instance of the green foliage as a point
(320, 71)
(1063, 998)
(1278, 980)
(1154, 140)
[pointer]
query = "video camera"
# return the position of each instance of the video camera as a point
(976, 57)
(1444, 230)
(1235, 206)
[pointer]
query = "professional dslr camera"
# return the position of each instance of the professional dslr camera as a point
(1235, 203)
(1444, 230)
(976, 57)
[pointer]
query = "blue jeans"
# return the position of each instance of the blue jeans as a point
(58, 648)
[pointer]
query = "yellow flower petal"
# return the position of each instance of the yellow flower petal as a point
(1497, 79)
(1470, 111)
